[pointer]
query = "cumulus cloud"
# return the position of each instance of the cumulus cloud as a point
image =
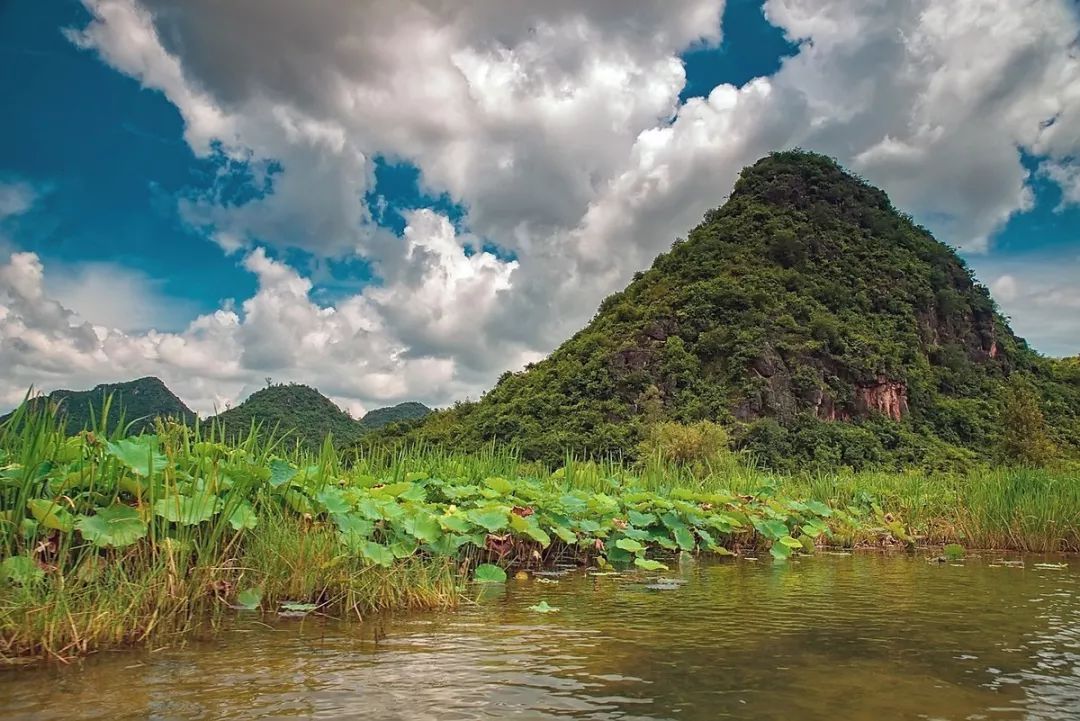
(385, 344)
(1040, 295)
(110, 295)
(557, 126)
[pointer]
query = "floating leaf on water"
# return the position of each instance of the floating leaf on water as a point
(489, 573)
(546, 580)
(649, 564)
(50, 514)
(249, 599)
(543, 607)
(20, 570)
(113, 527)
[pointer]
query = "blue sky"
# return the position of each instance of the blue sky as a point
(103, 151)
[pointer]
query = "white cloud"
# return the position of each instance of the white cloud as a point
(16, 197)
(113, 296)
(1040, 294)
(557, 126)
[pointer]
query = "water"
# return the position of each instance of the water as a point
(833, 637)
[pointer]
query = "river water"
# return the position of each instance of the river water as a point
(862, 636)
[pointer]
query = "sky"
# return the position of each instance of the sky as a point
(401, 199)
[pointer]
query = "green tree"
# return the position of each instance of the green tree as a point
(1026, 437)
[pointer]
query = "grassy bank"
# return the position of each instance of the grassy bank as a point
(151, 539)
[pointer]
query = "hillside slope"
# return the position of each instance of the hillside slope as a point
(810, 316)
(138, 402)
(292, 411)
(381, 417)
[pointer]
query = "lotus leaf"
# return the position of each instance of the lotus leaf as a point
(113, 527)
(489, 573)
(50, 514)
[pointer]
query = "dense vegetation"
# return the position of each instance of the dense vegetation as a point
(137, 404)
(402, 412)
(148, 539)
(819, 325)
(292, 412)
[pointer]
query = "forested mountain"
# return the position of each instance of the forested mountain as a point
(818, 323)
(138, 402)
(292, 411)
(381, 417)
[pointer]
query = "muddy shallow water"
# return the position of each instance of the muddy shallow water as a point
(862, 636)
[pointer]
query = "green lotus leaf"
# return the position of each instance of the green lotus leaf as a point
(489, 573)
(499, 485)
(629, 545)
(243, 517)
(543, 607)
(641, 520)
(649, 564)
(187, 510)
(424, 526)
(281, 472)
(333, 500)
(491, 518)
(113, 527)
(50, 514)
(249, 599)
(20, 570)
(140, 454)
(528, 526)
(377, 553)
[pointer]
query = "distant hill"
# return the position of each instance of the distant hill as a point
(296, 411)
(381, 417)
(819, 324)
(138, 403)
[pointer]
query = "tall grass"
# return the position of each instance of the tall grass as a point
(180, 579)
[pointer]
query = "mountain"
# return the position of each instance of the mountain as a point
(381, 417)
(820, 325)
(138, 402)
(295, 411)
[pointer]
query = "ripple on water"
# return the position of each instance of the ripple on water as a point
(863, 636)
